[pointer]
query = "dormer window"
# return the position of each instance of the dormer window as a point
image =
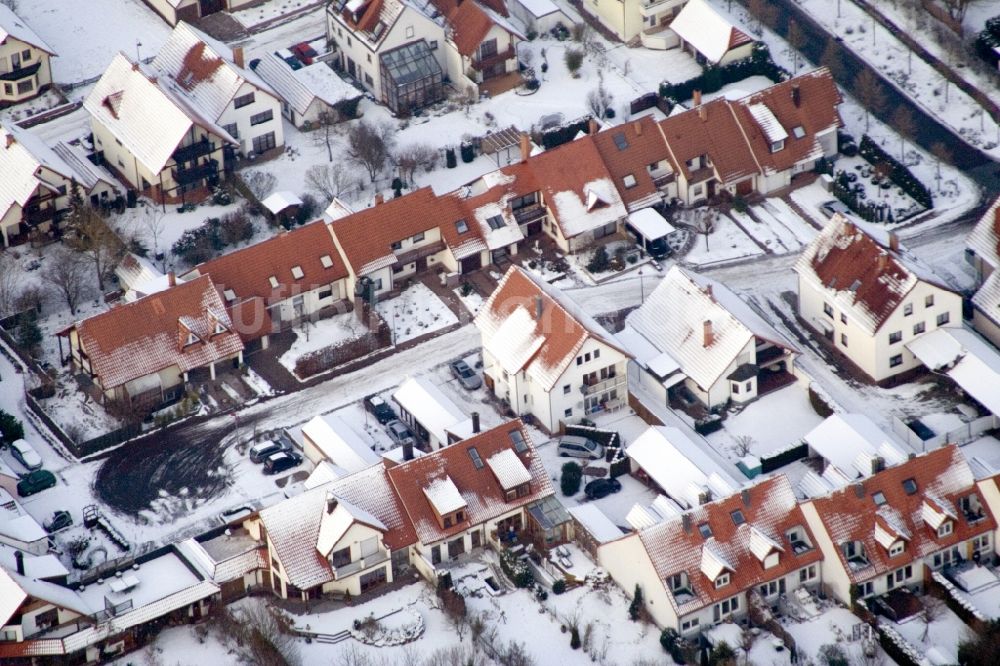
(219, 328)
(777, 146)
(798, 540)
(297, 272)
(326, 261)
(945, 528)
(191, 338)
(897, 548)
(854, 553)
(722, 580)
(971, 507)
(679, 583)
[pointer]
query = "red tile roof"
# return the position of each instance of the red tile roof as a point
(769, 507)
(470, 25)
(643, 146)
(941, 476)
(710, 129)
(484, 497)
(143, 337)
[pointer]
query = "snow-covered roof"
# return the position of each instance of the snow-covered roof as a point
(649, 223)
(663, 508)
(713, 562)
(35, 566)
(599, 206)
(444, 496)
(679, 466)
(984, 239)
(279, 201)
(134, 270)
(15, 523)
(769, 124)
(300, 88)
(596, 522)
(969, 360)
(851, 441)
(647, 355)
(762, 544)
(11, 25)
(324, 472)
(335, 523)
(431, 408)
(987, 298)
(707, 31)
(539, 8)
(338, 443)
(86, 173)
(149, 119)
(509, 469)
(673, 317)
(336, 210)
(15, 589)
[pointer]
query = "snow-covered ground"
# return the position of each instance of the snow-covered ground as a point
(938, 638)
(272, 9)
(834, 626)
(415, 312)
(329, 332)
(726, 243)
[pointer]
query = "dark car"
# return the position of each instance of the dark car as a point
(289, 58)
(60, 520)
(304, 52)
(281, 461)
(262, 451)
(35, 482)
(465, 375)
(380, 409)
(599, 488)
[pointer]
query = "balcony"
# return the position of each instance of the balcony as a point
(605, 385)
(529, 214)
(21, 72)
(419, 252)
(209, 169)
(35, 216)
(650, 7)
(664, 180)
(351, 568)
(768, 355)
(193, 151)
(480, 62)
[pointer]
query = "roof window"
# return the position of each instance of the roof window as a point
(620, 141)
(705, 530)
(273, 280)
(326, 261)
(910, 486)
(879, 498)
(297, 272)
(461, 226)
(737, 517)
(517, 439)
(495, 222)
(476, 460)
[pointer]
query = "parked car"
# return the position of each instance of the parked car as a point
(829, 208)
(398, 432)
(281, 461)
(465, 375)
(262, 451)
(289, 58)
(380, 409)
(599, 488)
(574, 446)
(304, 52)
(26, 454)
(35, 482)
(60, 520)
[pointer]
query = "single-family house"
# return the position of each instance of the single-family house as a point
(637, 18)
(868, 296)
(695, 340)
(390, 47)
(175, 11)
(983, 252)
(38, 182)
(709, 37)
(888, 530)
(328, 437)
(544, 356)
(968, 360)
(480, 42)
(228, 557)
(214, 80)
(709, 564)
(311, 95)
(143, 353)
(431, 415)
(269, 286)
(25, 60)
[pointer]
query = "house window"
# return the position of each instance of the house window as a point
(981, 543)
(326, 261)
(828, 310)
(807, 573)
(409, 32)
(262, 117)
(696, 191)
(679, 583)
(369, 58)
(897, 548)
(908, 309)
(777, 145)
(566, 389)
(232, 130)
(945, 529)
(476, 538)
(324, 294)
(488, 49)
(843, 318)
(8, 89)
(866, 589)
(436, 555)
(369, 80)
(396, 245)
(597, 353)
(919, 328)
(25, 86)
(418, 237)
(737, 517)
(895, 336)
(843, 339)
(943, 318)
(377, 284)
(273, 281)
(629, 181)
(434, 45)
(243, 100)
(579, 360)
(722, 580)
(264, 142)
(769, 589)
(910, 486)
(705, 530)
(929, 301)
(26, 54)
(687, 625)
(447, 521)
(878, 497)
(297, 272)
(896, 361)
(568, 413)
(495, 222)
(736, 388)
(342, 557)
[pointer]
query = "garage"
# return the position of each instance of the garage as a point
(471, 263)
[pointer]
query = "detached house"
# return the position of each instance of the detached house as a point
(144, 352)
(863, 292)
(709, 564)
(544, 356)
(983, 252)
(312, 94)
(25, 67)
(888, 530)
(629, 19)
(694, 339)
(38, 183)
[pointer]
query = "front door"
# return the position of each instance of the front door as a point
(211, 6)
(471, 263)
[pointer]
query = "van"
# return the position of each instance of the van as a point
(260, 452)
(573, 446)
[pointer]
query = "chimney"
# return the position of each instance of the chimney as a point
(883, 261)
(849, 228)
(408, 449)
(538, 306)
(702, 113)
(859, 490)
(708, 291)
(331, 502)
(19, 561)
(893, 241)
(796, 95)
(475, 422)
(525, 147)
(135, 66)
(10, 140)
(708, 337)
(686, 522)
(637, 126)
(238, 56)
(379, 199)
(171, 279)
(592, 126)
(745, 496)
(878, 464)
(696, 98)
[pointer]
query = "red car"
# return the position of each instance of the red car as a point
(304, 52)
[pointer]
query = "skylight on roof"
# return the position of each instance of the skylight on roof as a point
(461, 226)
(910, 486)
(326, 261)
(273, 280)
(620, 141)
(229, 294)
(705, 530)
(798, 132)
(518, 440)
(476, 460)
(738, 518)
(879, 498)
(297, 272)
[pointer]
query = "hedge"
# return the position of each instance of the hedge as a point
(899, 174)
(783, 458)
(819, 403)
(565, 133)
(713, 78)
(871, 210)
(989, 39)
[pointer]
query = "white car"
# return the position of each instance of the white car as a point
(26, 454)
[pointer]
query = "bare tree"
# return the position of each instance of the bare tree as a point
(328, 180)
(743, 445)
(933, 610)
(832, 60)
(765, 12)
(260, 183)
(902, 120)
(957, 8)
(941, 154)
(599, 99)
(92, 236)
(325, 132)
(369, 145)
(267, 640)
(67, 273)
(797, 40)
(11, 4)
(409, 158)
(10, 283)
(869, 91)
(155, 223)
